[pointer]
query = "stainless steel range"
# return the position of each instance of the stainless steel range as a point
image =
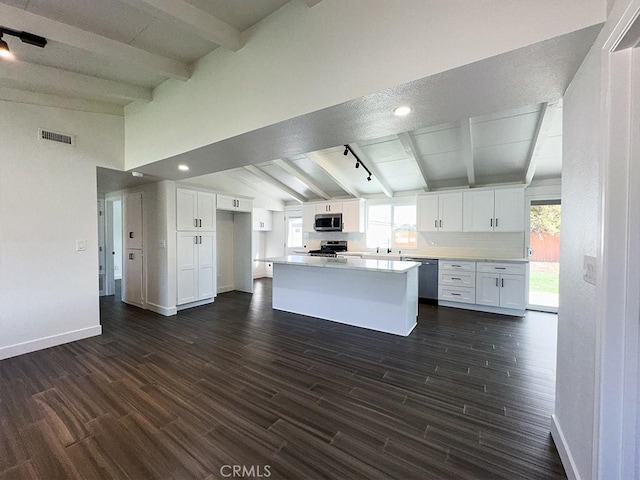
(329, 248)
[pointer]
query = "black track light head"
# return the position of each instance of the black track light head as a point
(369, 178)
(346, 151)
(357, 164)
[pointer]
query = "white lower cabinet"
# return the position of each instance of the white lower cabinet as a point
(501, 285)
(457, 281)
(196, 257)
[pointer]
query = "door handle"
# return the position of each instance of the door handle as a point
(435, 223)
(503, 283)
(496, 223)
(440, 223)
(491, 223)
(496, 281)
(130, 234)
(200, 222)
(131, 256)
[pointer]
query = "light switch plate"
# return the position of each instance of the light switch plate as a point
(81, 245)
(590, 269)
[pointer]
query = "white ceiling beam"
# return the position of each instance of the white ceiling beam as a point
(411, 151)
(258, 187)
(375, 173)
(547, 114)
(275, 182)
(335, 175)
(197, 21)
(311, 3)
(467, 151)
(64, 82)
(301, 176)
(112, 50)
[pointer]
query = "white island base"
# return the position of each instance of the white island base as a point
(378, 295)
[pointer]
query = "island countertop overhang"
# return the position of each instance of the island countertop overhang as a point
(389, 266)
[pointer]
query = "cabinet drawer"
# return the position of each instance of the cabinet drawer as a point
(464, 279)
(457, 266)
(511, 268)
(457, 294)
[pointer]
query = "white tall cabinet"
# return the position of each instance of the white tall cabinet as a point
(195, 246)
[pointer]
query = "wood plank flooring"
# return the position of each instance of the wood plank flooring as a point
(236, 384)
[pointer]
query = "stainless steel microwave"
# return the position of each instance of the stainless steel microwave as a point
(328, 222)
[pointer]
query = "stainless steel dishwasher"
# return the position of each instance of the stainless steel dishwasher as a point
(427, 279)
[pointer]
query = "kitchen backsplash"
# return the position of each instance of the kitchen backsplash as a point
(480, 245)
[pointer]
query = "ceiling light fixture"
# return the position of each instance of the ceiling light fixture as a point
(183, 168)
(25, 37)
(137, 174)
(402, 110)
(346, 152)
(359, 162)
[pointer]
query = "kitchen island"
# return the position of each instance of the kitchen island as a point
(380, 295)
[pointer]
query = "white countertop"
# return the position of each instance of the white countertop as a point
(390, 266)
(382, 256)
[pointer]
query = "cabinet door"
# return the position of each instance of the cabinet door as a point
(478, 211)
(512, 291)
(428, 219)
(329, 207)
(352, 217)
(509, 210)
(224, 202)
(308, 217)
(487, 289)
(267, 221)
(187, 260)
(243, 205)
(206, 265)
(206, 211)
(450, 212)
(133, 278)
(186, 209)
(133, 221)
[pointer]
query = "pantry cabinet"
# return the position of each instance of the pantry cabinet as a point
(196, 267)
(440, 212)
(195, 210)
(499, 210)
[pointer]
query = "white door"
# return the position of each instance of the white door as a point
(133, 292)
(186, 209)
(450, 212)
(512, 291)
(206, 265)
(206, 211)
(478, 211)
(428, 213)
(133, 221)
(487, 289)
(509, 210)
(187, 265)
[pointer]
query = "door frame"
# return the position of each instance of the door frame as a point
(110, 282)
(528, 201)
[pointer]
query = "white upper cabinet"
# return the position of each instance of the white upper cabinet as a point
(352, 216)
(500, 210)
(236, 204)
(308, 216)
(195, 210)
(262, 220)
(440, 212)
(329, 207)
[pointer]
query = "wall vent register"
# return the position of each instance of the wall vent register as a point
(58, 137)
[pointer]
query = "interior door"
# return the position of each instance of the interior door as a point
(133, 278)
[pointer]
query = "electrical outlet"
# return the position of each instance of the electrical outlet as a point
(81, 245)
(590, 269)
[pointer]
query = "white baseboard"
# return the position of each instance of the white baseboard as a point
(227, 288)
(563, 450)
(166, 311)
(46, 342)
(483, 308)
(199, 303)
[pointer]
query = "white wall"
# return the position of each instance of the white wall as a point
(577, 323)
(117, 239)
(48, 191)
(274, 77)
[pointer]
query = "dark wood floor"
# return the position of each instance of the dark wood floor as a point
(466, 395)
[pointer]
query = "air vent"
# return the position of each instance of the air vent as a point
(50, 136)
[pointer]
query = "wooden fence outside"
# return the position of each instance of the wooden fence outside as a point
(546, 248)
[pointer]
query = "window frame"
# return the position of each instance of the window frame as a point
(392, 203)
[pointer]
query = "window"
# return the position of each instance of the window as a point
(294, 235)
(391, 226)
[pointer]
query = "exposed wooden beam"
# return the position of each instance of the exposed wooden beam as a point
(375, 173)
(303, 177)
(259, 187)
(311, 3)
(467, 151)
(197, 21)
(275, 182)
(412, 152)
(64, 82)
(547, 114)
(335, 175)
(105, 47)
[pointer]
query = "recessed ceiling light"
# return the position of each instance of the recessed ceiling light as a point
(183, 168)
(402, 110)
(137, 174)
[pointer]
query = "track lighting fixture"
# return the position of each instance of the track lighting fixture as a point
(346, 152)
(347, 149)
(25, 37)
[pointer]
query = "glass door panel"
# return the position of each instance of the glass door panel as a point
(544, 262)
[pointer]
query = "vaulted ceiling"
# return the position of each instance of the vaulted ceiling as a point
(105, 54)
